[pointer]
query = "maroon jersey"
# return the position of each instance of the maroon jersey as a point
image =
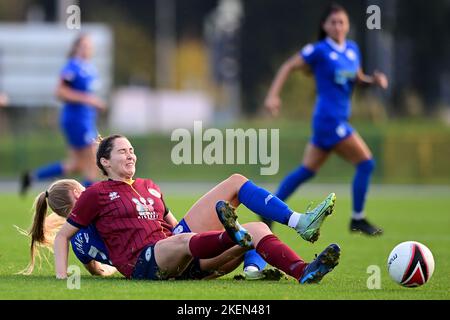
(128, 218)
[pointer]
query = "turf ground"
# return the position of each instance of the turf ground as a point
(412, 214)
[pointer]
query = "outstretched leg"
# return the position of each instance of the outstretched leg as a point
(277, 253)
(238, 189)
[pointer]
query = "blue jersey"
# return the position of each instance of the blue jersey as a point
(79, 120)
(88, 245)
(335, 69)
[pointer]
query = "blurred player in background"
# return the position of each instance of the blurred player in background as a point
(78, 81)
(335, 63)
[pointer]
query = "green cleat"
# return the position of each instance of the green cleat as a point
(309, 224)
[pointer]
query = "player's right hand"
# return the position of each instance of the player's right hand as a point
(273, 105)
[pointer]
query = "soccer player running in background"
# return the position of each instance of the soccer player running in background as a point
(335, 63)
(78, 81)
(131, 218)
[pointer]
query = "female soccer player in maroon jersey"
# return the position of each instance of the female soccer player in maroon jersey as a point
(131, 218)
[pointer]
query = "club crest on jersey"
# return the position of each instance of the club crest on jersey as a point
(154, 193)
(351, 54)
(113, 196)
(333, 55)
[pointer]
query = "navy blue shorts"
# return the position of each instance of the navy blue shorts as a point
(181, 227)
(329, 132)
(146, 267)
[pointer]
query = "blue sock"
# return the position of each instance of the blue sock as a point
(263, 203)
(87, 183)
(49, 171)
(292, 181)
(361, 184)
(252, 258)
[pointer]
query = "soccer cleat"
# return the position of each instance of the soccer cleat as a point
(253, 273)
(309, 224)
(228, 218)
(321, 265)
(363, 226)
(25, 183)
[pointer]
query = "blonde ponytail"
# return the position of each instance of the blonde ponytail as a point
(44, 228)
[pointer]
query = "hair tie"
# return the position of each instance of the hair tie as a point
(46, 193)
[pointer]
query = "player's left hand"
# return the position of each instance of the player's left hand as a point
(381, 79)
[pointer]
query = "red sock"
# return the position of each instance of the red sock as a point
(279, 255)
(210, 244)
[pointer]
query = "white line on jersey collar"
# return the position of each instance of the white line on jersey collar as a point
(336, 46)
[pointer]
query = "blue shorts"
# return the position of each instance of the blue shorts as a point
(181, 227)
(329, 132)
(79, 136)
(146, 267)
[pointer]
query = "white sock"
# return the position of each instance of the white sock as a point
(358, 215)
(293, 219)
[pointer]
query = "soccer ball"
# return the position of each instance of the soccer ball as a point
(410, 264)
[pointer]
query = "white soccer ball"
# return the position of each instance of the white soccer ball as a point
(410, 264)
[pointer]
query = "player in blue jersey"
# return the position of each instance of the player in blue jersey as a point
(335, 63)
(76, 88)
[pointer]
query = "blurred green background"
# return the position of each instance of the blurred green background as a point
(406, 127)
(407, 152)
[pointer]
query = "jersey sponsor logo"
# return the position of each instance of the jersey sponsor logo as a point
(308, 49)
(144, 209)
(113, 196)
(79, 243)
(342, 76)
(154, 193)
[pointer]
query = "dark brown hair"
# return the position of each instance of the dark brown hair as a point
(104, 150)
(332, 8)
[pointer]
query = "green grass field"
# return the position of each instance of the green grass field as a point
(417, 215)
